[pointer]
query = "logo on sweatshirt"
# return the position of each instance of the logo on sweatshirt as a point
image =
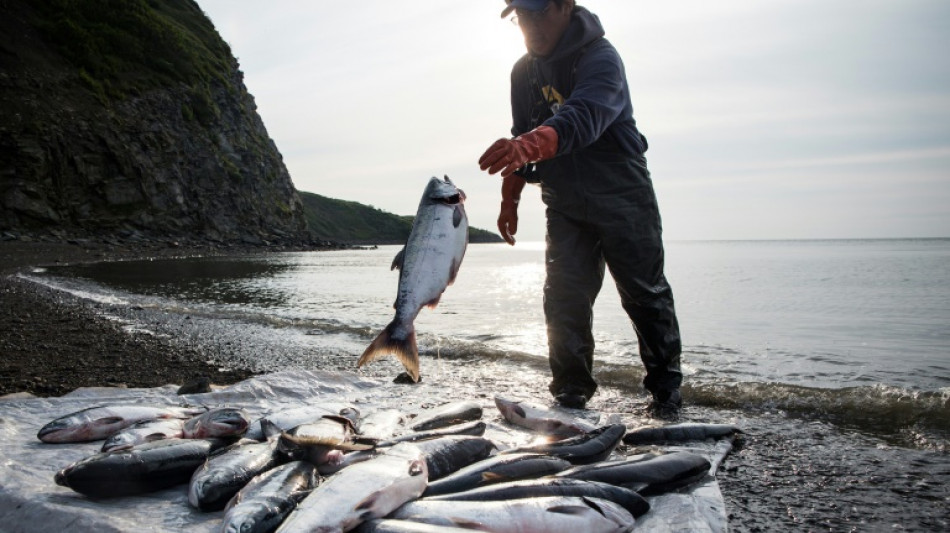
(552, 98)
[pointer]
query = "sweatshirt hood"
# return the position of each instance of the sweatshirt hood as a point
(583, 29)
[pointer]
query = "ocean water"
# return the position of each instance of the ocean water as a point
(834, 355)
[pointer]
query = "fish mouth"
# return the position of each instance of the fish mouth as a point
(61, 478)
(445, 192)
(455, 199)
(51, 428)
(507, 406)
(246, 524)
(116, 446)
(230, 421)
(197, 493)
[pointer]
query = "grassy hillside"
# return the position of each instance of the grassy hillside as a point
(125, 46)
(353, 222)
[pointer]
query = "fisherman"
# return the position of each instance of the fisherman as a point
(574, 133)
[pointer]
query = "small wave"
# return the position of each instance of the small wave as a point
(485, 337)
(919, 419)
(903, 417)
(70, 287)
(446, 348)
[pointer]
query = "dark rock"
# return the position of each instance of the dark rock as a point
(89, 151)
(405, 379)
(198, 385)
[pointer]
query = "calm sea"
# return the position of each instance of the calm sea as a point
(833, 355)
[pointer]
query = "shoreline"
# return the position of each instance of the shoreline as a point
(53, 343)
(787, 472)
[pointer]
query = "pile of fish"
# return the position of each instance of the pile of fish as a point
(327, 468)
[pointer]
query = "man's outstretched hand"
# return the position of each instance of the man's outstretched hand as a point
(508, 155)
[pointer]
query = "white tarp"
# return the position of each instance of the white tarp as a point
(31, 501)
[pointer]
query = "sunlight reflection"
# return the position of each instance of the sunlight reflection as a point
(517, 293)
(542, 439)
(523, 281)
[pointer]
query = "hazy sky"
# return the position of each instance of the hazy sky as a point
(766, 119)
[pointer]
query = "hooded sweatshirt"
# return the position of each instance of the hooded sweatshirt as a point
(580, 90)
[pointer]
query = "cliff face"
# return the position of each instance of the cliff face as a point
(131, 117)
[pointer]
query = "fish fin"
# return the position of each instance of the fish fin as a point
(637, 486)
(154, 437)
(342, 420)
(595, 504)
(431, 304)
(398, 260)
(471, 525)
(556, 427)
(353, 447)
(307, 441)
(493, 477)
(405, 350)
(366, 505)
(186, 412)
(568, 509)
(106, 420)
(220, 451)
(457, 216)
(236, 499)
(372, 442)
(270, 429)
(454, 270)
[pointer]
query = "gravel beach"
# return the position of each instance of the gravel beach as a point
(52, 343)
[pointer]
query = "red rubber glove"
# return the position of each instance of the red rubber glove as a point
(511, 188)
(508, 155)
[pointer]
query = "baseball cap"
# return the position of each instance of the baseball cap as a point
(530, 5)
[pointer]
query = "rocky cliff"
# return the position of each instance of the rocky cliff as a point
(130, 117)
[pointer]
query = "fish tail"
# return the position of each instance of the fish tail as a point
(403, 349)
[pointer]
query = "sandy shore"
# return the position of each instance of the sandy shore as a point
(52, 343)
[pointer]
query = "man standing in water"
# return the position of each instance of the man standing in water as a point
(575, 134)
